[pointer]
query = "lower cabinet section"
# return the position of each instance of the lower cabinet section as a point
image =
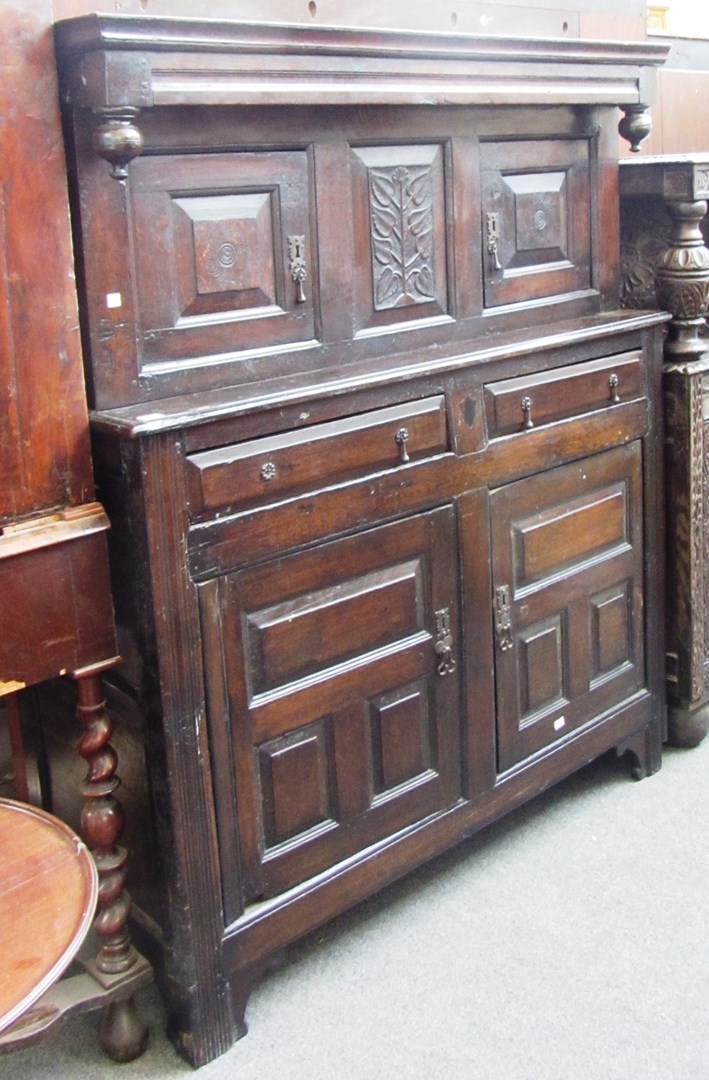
(362, 628)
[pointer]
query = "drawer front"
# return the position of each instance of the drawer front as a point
(521, 404)
(313, 457)
(536, 219)
(340, 671)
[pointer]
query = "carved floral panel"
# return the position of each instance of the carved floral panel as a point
(401, 233)
(401, 207)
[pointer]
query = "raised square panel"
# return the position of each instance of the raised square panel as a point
(541, 668)
(400, 225)
(229, 252)
(401, 737)
(294, 784)
(611, 635)
(540, 213)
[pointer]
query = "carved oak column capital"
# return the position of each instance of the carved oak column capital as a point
(117, 138)
(683, 282)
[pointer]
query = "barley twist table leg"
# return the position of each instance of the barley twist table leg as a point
(123, 1034)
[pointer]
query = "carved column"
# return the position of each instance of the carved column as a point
(676, 189)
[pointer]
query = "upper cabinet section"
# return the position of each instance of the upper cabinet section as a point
(272, 217)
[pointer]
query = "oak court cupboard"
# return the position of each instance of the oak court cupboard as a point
(378, 446)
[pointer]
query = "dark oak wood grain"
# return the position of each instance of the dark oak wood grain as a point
(378, 448)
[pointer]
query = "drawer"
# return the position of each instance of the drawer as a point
(314, 457)
(533, 400)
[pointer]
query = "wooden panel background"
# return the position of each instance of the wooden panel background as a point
(44, 452)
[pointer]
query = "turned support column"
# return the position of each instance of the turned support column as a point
(123, 1034)
(683, 289)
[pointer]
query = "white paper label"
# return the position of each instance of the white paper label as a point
(114, 300)
(560, 723)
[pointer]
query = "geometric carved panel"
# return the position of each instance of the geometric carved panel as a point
(610, 630)
(211, 237)
(541, 666)
(295, 787)
(536, 219)
(224, 252)
(401, 736)
(540, 214)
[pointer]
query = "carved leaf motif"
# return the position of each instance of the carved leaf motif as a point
(645, 237)
(401, 211)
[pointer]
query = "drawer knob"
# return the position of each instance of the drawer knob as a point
(297, 265)
(526, 407)
(444, 642)
(402, 437)
(268, 471)
(613, 383)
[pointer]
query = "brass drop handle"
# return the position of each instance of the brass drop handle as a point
(526, 407)
(493, 239)
(503, 618)
(613, 383)
(444, 642)
(402, 437)
(297, 266)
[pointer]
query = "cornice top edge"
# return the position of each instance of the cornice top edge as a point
(146, 33)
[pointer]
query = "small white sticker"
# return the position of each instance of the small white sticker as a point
(114, 300)
(560, 723)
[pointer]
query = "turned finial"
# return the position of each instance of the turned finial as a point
(635, 125)
(117, 138)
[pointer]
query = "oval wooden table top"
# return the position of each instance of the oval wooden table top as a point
(48, 893)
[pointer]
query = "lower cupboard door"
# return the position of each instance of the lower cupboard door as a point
(333, 698)
(567, 598)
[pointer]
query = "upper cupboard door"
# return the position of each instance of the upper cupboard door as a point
(223, 257)
(536, 219)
